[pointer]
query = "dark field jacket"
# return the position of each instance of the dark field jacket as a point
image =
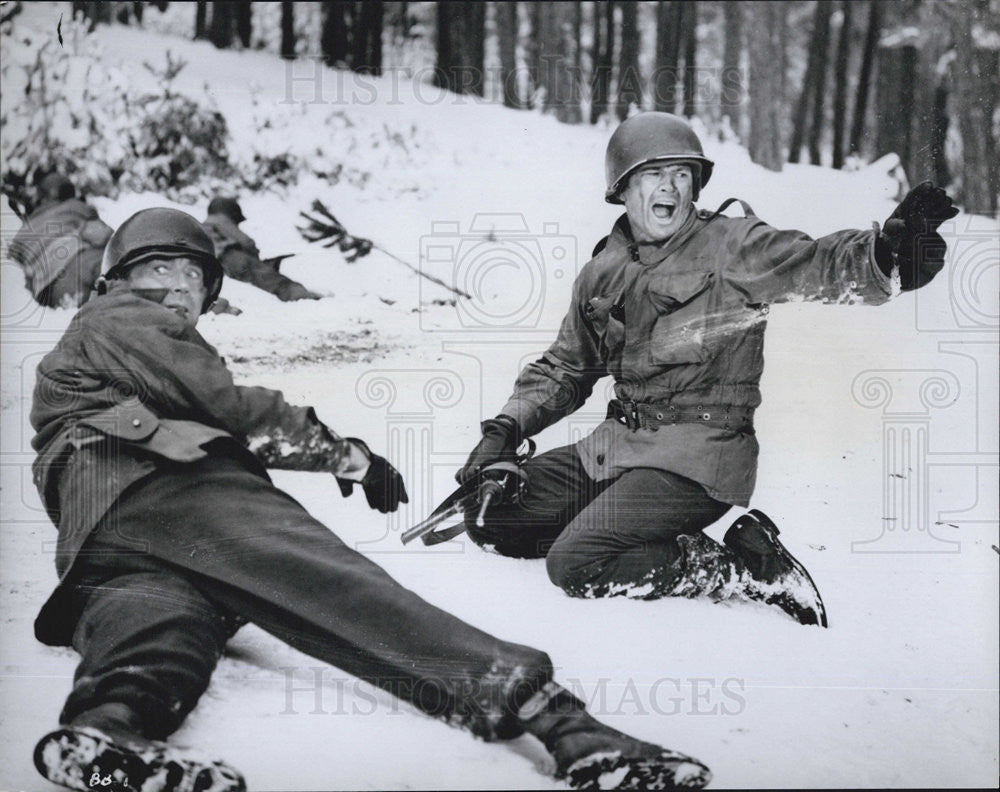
(680, 327)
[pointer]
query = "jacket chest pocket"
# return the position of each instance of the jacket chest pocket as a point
(679, 332)
(605, 315)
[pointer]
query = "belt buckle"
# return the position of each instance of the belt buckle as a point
(631, 410)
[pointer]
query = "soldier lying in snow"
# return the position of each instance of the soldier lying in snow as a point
(60, 245)
(151, 463)
(239, 256)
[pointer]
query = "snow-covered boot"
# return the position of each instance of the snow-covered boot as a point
(754, 538)
(593, 756)
(99, 750)
(708, 569)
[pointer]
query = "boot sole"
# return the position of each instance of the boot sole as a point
(614, 771)
(772, 531)
(75, 757)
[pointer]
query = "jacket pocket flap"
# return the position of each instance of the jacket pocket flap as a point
(679, 288)
(126, 421)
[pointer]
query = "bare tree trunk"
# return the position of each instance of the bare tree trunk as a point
(368, 37)
(865, 78)
(930, 120)
(221, 32)
(976, 79)
(841, 67)
(603, 58)
(894, 97)
(732, 76)
(533, 49)
(200, 17)
(766, 42)
(895, 84)
(244, 21)
(334, 41)
(689, 35)
(460, 51)
(287, 29)
(557, 56)
(669, 22)
(822, 43)
(506, 17)
(815, 63)
(577, 36)
(629, 79)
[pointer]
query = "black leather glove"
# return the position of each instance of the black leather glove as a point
(383, 484)
(910, 239)
(499, 444)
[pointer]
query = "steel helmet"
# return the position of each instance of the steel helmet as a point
(162, 233)
(226, 206)
(650, 137)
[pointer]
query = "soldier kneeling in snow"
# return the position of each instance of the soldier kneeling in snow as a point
(151, 462)
(60, 245)
(239, 256)
(674, 307)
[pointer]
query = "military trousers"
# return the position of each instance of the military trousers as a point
(194, 550)
(599, 538)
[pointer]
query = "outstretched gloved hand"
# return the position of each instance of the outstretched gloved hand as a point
(910, 239)
(383, 484)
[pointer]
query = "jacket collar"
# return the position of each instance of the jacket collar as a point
(651, 254)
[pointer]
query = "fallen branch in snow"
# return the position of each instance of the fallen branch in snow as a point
(327, 227)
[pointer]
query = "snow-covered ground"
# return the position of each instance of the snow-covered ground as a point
(879, 459)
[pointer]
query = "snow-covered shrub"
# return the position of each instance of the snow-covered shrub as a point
(175, 142)
(86, 120)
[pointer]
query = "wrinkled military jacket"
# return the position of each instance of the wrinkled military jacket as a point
(680, 327)
(226, 235)
(128, 384)
(55, 235)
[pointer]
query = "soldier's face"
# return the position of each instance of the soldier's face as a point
(658, 199)
(181, 278)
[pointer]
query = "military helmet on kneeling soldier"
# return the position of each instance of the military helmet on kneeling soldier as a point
(162, 233)
(653, 137)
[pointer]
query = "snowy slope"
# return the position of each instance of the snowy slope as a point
(901, 691)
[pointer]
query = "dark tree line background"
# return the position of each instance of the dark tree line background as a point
(834, 81)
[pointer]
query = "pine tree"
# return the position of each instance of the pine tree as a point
(603, 57)
(865, 78)
(766, 43)
(333, 41)
(287, 29)
(669, 22)
(732, 74)
(221, 31)
(841, 67)
(367, 35)
(460, 47)
(507, 29)
(562, 94)
(629, 79)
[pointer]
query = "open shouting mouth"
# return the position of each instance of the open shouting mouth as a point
(664, 210)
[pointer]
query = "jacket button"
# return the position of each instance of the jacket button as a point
(600, 459)
(136, 422)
